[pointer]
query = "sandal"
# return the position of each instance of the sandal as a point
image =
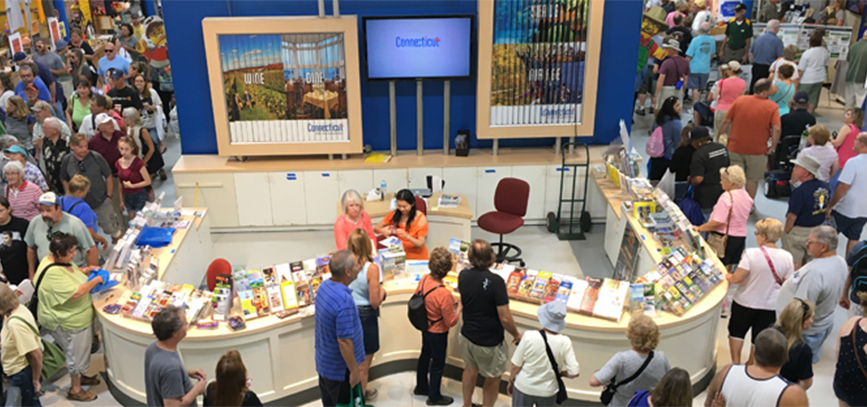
(90, 380)
(83, 395)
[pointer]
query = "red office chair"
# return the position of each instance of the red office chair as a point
(510, 200)
(218, 266)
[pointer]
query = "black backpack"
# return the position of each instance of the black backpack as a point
(417, 312)
(859, 269)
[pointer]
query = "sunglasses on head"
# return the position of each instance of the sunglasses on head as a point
(804, 307)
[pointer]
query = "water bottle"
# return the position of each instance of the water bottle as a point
(382, 187)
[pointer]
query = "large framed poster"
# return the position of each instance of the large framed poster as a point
(284, 85)
(538, 67)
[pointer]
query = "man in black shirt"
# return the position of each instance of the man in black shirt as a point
(798, 119)
(707, 160)
(13, 250)
(122, 96)
(486, 314)
(681, 33)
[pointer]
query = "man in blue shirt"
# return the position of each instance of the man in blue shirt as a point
(111, 60)
(339, 343)
(806, 208)
(698, 54)
(27, 78)
(44, 73)
(74, 204)
(765, 50)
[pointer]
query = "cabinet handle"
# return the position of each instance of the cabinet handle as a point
(490, 171)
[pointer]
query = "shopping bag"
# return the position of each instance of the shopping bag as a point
(356, 398)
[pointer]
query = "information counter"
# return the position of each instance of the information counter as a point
(280, 354)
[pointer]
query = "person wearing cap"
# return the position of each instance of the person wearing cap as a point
(23, 196)
(674, 69)
(765, 50)
(105, 140)
(725, 91)
(103, 185)
(857, 73)
(31, 172)
(704, 169)
(798, 120)
(98, 104)
(110, 60)
(44, 73)
(28, 79)
(754, 121)
(122, 96)
(65, 307)
(702, 16)
(699, 54)
(813, 68)
(739, 34)
(53, 219)
(759, 276)
(822, 151)
(806, 207)
(532, 380)
(847, 204)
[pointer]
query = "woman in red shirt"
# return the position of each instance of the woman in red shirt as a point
(354, 217)
(441, 315)
(133, 177)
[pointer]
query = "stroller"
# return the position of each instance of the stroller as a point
(777, 183)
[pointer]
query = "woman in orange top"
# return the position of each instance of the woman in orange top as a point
(408, 224)
(441, 315)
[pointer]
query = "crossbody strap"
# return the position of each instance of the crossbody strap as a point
(550, 354)
(25, 323)
(44, 272)
(855, 347)
(771, 265)
(729, 220)
(424, 296)
(637, 373)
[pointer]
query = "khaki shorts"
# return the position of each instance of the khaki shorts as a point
(719, 117)
(491, 361)
(795, 243)
(734, 54)
(754, 165)
(665, 93)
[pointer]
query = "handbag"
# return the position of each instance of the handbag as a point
(356, 398)
(771, 264)
(717, 242)
(855, 347)
(561, 387)
(53, 358)
(611, 388)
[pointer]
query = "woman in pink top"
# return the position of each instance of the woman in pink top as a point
(354, 217)
(845, 140)
(726, 91)
(737, 202)
(23, 196)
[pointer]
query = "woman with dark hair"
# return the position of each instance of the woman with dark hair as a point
(853, 119)
(813, 68)
(79, 66)
(66, 310)
(7, 89)
(232, 387)
(79, 103)
(443, 313)
(408, 224)
(674, 389)
(783, 88)
(13, 253)
(669, 119)
(127, 37)
(850, 379)
(368, 295)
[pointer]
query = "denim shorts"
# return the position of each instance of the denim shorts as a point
(697, 81)
(849, 227)
(370, 328)
(135, 202)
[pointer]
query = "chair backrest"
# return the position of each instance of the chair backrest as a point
(512, 196)
(218, 266)
(420, 205)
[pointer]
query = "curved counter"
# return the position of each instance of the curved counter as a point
(279, 353)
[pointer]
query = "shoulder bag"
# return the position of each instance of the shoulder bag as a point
(717, 242)
(855, 347)
(771, 265)
(611, 388)
(53, 358)
(33, 305)
(561, 387)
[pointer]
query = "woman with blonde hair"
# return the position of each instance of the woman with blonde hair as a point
(797, 316)
(728, 221)
(148, 152)
(19, 122)
(354, 217)
(759, 276)
(21, 353)
(853, 120)
(643, 334)
(790, 52)
(368, 294)
(232, 387)
(823, 151)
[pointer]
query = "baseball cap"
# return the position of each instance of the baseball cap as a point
(19, 56)
(699, 133)
(740, 7)
(700, 3)
(103, 118)
(31, 86)
(16, 149)
(808, 163)
(735, 66)
(60, 44)
(801, 97)
(48, 198)
(115, 73)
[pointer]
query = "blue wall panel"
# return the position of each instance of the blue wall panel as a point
(189, 71)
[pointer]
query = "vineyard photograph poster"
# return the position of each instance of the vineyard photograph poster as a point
(284, 88)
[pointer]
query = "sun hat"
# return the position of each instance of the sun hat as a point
(673, 44)
(553, 316)
(808, 163)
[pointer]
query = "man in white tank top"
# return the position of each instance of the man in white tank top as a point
(759, 385)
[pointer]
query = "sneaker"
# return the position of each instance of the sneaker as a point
(419, 392)
(370, 394)
(640, 112)
(444, 401)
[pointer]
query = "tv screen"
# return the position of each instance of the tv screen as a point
(418, 47)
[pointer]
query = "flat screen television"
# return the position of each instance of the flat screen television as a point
(425, 47)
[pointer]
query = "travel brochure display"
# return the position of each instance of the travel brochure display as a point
(836, 39)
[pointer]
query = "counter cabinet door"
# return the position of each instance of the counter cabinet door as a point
(418, 176)
(288, 203)
(535, 176)
(462, 181)
(489, 177)
(253, 192)
(395, 179)
(360, 180)
(215, 191)
(320, 193)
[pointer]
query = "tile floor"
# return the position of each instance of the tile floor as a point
(541, 249)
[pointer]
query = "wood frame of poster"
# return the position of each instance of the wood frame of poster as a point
(484, 130)
(348, 25)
